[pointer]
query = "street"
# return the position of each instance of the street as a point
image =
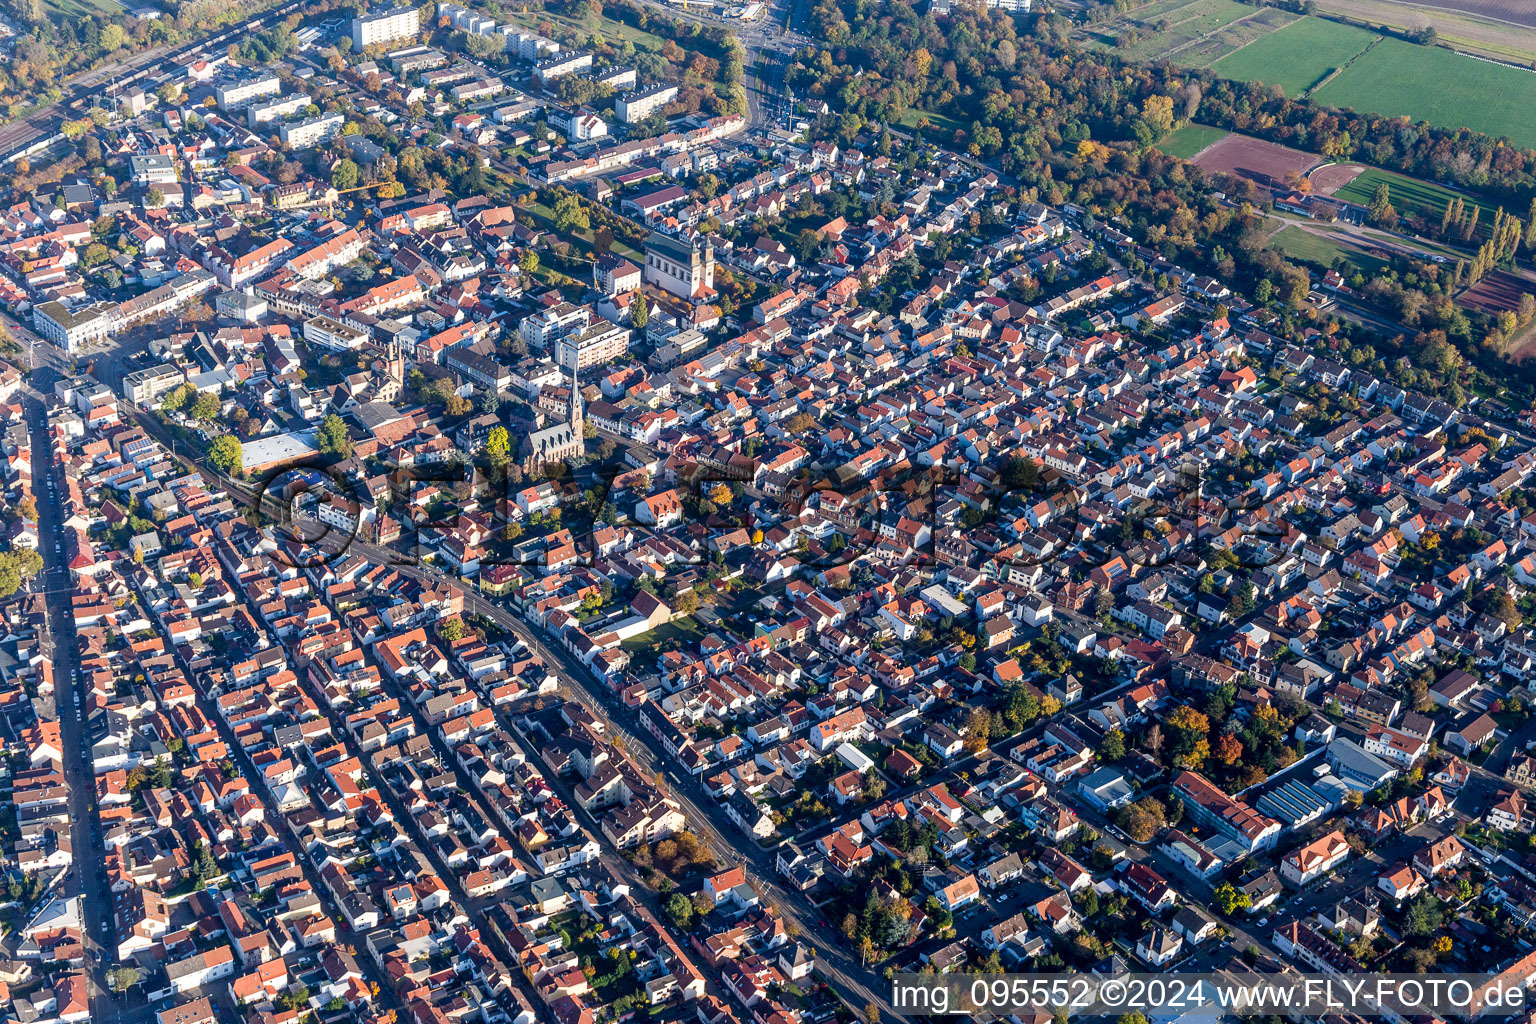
(86, 877)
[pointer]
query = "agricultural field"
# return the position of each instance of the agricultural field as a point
(1498, 291)
(1170, 27)
(1190, 140)
(1339, 64)
(1231, 38)
(1467, 93)
(1298, 56)
(1506, 31)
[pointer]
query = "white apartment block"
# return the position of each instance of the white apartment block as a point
(639, 104)
(275, 110)
(311, 132)
(72, 329)
(237, 93)
(378, 28)
(333, 334)
(598, 344)
(527, 45)
(551, 68)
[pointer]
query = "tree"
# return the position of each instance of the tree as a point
(978, 730)
(1158, 113)
(451, 630)
(498, 445)
(1230, 899)
(95, 253)
(1381, 211)
(345, 175)
(680, 909)
(225, 454)
(570, 214)
(1113, 746)
(121, 979)
(154, 199)
(1423, 916)
(332, 437)
(205, 408)
(1142, 820)
(639, 313)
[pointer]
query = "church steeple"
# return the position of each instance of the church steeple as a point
(573, 410)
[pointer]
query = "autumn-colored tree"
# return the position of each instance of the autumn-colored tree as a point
(1229, 749)
(978, 730)
(1142, 820)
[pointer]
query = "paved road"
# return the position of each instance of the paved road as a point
(86, 876)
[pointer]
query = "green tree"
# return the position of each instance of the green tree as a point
(680, 909)
(1142, 820)
(1113, 746)
(1423, 916)
(205, 408)
(332, 438)
(345, 175)
(451, 630)
(121, 979)
(570, 215)
(498, 445)
(1230, 899)
(639, 313)
(225, 454)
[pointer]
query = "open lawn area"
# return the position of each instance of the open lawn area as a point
(937, 122)
(1467, 92)
(681, 632)
(1297, 56)
(1190, 139)
(1301, 244)
(1410, 196)
(77, 9)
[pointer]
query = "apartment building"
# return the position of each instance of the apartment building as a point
(236, 93)
(638, 104)
(311, 131)
(73, 329)
(381, 27)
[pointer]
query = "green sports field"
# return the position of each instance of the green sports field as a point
(1190, 139)
(1297, 56)
(1410, 195)
(1300, 244)
(1466, 93)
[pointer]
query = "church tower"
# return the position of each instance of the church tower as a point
(574, 410)
(394, 368)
